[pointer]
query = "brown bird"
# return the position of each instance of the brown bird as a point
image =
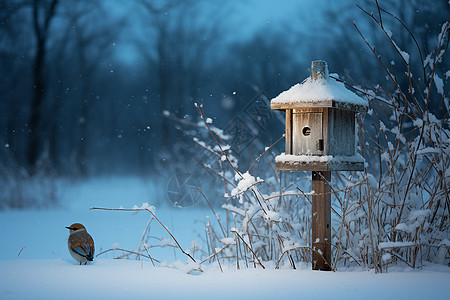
(80, 243)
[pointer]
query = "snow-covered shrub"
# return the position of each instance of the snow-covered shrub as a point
(398, 210)
(266, 219)
(20, 190)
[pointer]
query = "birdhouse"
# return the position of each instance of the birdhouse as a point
(320, 124)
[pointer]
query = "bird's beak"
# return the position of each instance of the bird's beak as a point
(68, 227)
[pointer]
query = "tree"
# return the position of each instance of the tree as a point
(14, 63)
(43, 14)
(183, 41)
(90, 47)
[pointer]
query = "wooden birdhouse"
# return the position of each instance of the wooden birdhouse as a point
(320, 124)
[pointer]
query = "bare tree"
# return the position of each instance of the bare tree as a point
(91, 49)
(43, 14)
(13, 63)
(183, 41)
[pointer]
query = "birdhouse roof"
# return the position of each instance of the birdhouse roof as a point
(321, 92)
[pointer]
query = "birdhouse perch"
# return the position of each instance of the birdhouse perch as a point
(320, 124)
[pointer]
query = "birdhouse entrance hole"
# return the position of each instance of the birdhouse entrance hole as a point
(306, 131)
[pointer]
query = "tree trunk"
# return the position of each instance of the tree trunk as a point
(35, 133)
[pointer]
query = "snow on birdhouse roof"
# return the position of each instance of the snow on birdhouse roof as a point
(319, 91)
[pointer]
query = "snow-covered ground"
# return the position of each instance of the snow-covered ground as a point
(130, 279)
(35, 263)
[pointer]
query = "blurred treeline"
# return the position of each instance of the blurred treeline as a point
(91, 87)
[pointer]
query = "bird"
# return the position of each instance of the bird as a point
(80, 243)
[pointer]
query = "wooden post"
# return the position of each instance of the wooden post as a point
(321, 221)
(288, 137)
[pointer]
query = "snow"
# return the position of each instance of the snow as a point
(428, 62)
(404, 227)
(283, 157)
(228, 241)
(415, 219)
(439, 84)
(386, 257)
(418, 122)
(234, 209)
(312, 159)
(319, 90)
(272, 216)
(127, 279)
(144, 206)
(165, 242)
(389, 245)
(245, 181)
(398, 135)
(404, 54)
(418, 215)
(35, 263)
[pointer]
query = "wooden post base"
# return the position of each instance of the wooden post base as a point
(321, 221)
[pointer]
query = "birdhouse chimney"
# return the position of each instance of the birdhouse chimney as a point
(319, 70)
